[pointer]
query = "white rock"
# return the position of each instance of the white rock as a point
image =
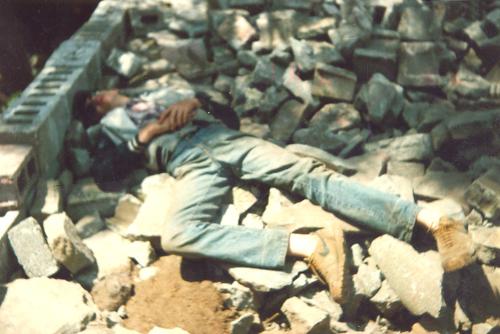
(159, 330)
(230, 216)
(125, 213)
(43, 305)
(304, 318)
(142, 252)
(67, 247)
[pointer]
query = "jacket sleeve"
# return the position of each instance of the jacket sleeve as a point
(113, 163)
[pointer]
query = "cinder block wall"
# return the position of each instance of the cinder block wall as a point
(38, 119)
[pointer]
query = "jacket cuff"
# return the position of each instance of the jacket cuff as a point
(135, 145)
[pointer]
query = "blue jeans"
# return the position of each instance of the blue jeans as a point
(204, 165)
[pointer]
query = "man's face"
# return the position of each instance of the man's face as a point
(105, 101)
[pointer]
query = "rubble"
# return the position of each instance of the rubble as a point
(304, 318)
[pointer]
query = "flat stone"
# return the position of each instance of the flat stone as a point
(416, 278)
(333, 82)
(48, 200)
(334, 117)
(125, 213)
(298, 87)
(265, 280)
(66, 245)
(409, 170)
(89, 225)
(287, 120)
(304, 318)
(112, 291)
(386, 300)
(487, 240)
(413, 147)
(381, 99)
(441, 184)
(303, 54)
(125, 63)
(316, 27)
(394, 184)
(31, 250)
(61, 307)
(484, 194)
(86, 198)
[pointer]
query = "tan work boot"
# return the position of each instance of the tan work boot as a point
(329, 262)
(454, 244)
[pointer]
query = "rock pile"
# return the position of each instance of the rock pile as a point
(399, 95)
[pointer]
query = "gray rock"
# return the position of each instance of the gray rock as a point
(236, 30)
(66, 245)
(379, 56)
(369, 165)
(125, 213)
(273, 98)
(419, 23)
(316, 27)
(89, 225)
(487, 242)
(112, 291)
(439, 165)
(31, 250)
(334, 117)
(326, 53)
(125, 63)
(298, 87)
(409, 170)
(243, 324)
(48, 200)
(61, 307)
(467, 125)
(86, 198)
(322, 300)
(224, 83)
(386, 300)
(333, 82)
(287, 120)
(484, 328)
(255, 129)
(332, 162)
(303, 55)
(236, 295)
(416, 278)
(66, 182)
(142, 252)
(304, 318)
(448, 207)
(266, 73)
(482, 165)
(251, 104)
(419, 64)
(264, 280)
(441, 184)
(413, 147)
(247, 58)
(79, 161)
(321, 138)
(381, 99)
(367, 281)
(275, 28)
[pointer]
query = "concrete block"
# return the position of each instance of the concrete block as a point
(32, 252)
(7, 262)
(66, 245)
(18, 175)
(333, 82)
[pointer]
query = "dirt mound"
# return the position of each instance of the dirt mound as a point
(178, 296)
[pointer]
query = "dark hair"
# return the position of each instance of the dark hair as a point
(84, 110)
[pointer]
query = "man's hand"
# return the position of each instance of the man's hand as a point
(173, 118)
